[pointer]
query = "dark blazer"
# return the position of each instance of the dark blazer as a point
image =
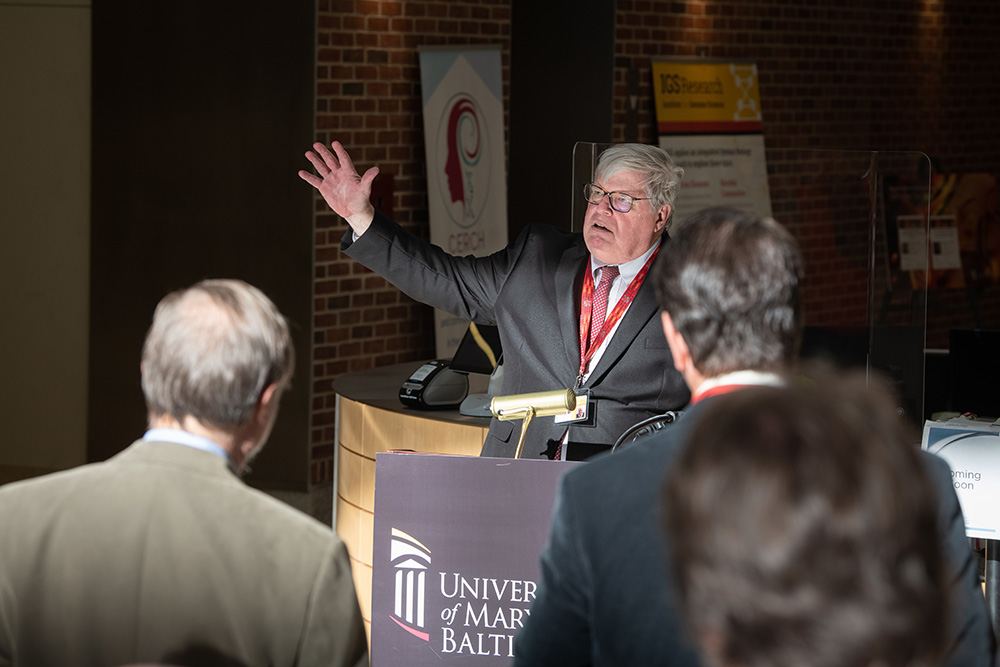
(604, 597)
(531, 291)
(161, 555)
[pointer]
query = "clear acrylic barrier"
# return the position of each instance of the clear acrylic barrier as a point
(862, 221)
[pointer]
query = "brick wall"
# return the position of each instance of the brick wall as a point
(368, 98)
(887, 76)
(866, 74)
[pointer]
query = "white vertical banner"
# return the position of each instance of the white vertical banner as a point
(462, 90)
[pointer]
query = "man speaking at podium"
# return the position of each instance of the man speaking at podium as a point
(573, 311)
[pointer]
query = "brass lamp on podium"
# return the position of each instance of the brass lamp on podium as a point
(526, 406)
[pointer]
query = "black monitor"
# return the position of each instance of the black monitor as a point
(839, 346)
(974, 356)
(896, 352)
(479, 350)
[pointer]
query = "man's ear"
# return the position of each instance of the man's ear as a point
(268, 400)
(678, 347)
(662, 216)
(712, 644)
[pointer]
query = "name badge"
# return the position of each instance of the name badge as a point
(579, 412)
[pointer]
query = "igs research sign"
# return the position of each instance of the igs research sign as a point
(709, 119)
(456, 548)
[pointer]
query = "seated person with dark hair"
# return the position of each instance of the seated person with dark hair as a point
(803, 532)
(728, 283)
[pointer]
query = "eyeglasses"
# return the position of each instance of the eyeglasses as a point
(620, 201)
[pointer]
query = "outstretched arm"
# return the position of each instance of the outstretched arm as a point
(337, 180)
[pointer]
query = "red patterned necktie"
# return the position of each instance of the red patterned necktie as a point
(598, 313)
(600, 308)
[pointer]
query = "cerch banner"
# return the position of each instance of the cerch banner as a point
(466, 184)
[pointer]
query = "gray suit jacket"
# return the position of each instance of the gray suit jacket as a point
(531, 291)
(162, 555)
(605, 599)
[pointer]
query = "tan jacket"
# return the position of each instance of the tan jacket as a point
(162, 555)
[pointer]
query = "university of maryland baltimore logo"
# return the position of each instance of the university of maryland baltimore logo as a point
(462, 144)
(411, 560)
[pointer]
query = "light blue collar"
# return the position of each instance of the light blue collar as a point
(179, 437)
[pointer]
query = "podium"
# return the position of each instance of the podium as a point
(455, 555)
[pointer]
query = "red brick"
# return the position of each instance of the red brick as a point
(390, 40)
(391, 8)
(857, 62)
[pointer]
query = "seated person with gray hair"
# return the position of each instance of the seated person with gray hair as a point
(162, 554)
(803, 532)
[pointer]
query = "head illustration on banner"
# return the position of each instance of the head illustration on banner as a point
(464, 140)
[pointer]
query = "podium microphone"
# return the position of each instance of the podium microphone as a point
(526, 406)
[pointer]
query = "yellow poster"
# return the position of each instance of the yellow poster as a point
(709, 119)
(706, 97)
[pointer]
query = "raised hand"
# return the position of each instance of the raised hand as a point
(348, 194)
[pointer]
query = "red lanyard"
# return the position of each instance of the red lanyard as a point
(587, 307)
(717, 390)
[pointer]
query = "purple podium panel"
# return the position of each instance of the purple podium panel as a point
(455, 555)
